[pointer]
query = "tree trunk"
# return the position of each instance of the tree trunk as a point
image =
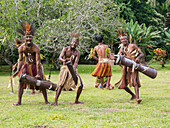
(6, 60)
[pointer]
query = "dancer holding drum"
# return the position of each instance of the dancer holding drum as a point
(69, 77)
(130, 75)
(32, 65)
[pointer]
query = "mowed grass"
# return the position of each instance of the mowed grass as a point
(101, 108)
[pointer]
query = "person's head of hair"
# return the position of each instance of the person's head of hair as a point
(75, 40)
(99, 38)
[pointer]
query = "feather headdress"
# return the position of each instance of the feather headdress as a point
(26, 29)
(121, 33)
(75, 36)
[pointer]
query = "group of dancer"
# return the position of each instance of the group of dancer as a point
(29, 63)
(129, 75)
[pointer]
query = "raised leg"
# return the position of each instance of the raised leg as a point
(20, 93)
(131, 93)
(137, 94)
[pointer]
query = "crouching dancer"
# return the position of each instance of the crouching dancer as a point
(32, 65)
(69, 77)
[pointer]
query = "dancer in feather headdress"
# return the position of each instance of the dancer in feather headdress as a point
(32, 64)
(130, 75)
(69, 78)
(18, 44)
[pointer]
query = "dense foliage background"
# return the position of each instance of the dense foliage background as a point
(146, 21)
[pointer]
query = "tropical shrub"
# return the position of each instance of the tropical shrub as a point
(159, 55)
(140, 34)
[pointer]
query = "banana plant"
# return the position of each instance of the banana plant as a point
(134, 31)
(140, 34)
(167, 33)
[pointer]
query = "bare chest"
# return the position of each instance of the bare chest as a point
(70, 53)
(30, 55)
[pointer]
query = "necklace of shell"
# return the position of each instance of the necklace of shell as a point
(29, 54)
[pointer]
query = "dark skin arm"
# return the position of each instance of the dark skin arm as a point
(62, 55)
(38, 63)
(94, 54)
(76, 61)
(120, 51)
(20, 62)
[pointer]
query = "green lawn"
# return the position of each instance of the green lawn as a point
(101, 108)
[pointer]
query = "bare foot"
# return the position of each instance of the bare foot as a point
(16, 104)
(96, 85)
(138, 100)
(78, 102)
(133, 97)
(107, 87)
(47, 103)
(110, 87)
